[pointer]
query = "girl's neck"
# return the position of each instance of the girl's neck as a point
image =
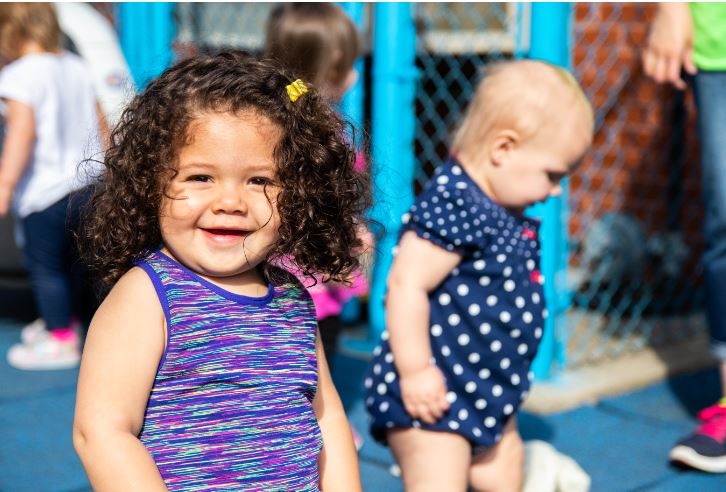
(34, 48)
(250, 283)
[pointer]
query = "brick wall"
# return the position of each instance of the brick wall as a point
(634, 165)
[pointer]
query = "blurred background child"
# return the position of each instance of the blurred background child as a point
(53, 123)
(454, 366)
(319, 43)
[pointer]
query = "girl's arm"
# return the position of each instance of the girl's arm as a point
(17, 147)
(103, 129)
(418, 268)
(338, 461)
(123, 349)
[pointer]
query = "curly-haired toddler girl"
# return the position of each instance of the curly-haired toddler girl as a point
(203, 368)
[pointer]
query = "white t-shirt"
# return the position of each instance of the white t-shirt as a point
(59, 90)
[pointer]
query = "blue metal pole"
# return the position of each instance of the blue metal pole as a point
(146, 32)
(352, 107)
(550, 40)
(393, 126)
(352, 104)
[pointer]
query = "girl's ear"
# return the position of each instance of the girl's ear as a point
(502, 145)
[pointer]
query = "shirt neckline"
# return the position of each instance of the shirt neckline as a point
(238, 298)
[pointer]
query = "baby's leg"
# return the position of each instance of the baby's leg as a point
(431, 461)
(501, 467)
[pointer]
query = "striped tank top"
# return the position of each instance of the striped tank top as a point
(231, 405)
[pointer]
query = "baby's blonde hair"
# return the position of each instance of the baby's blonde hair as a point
(525, 96)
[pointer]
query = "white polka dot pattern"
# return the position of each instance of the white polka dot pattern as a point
(486, 317)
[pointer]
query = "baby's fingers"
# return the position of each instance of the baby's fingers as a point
(422, 412)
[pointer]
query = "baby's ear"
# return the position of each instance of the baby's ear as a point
(502, 145)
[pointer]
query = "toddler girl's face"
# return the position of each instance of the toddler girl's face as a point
(220, 217)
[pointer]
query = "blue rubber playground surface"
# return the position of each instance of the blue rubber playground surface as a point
(622, 443)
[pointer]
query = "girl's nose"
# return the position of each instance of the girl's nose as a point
(230, 200)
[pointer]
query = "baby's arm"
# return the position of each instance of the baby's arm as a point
(123, 349)
(17, 146)
(338, 462)
(419, 267)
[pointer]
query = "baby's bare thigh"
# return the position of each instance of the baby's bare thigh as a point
(431, 461)
(501, 467)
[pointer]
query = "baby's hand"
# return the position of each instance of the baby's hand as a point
(424, 394)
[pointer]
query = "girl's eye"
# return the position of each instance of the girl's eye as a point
(260, 181)
(200, 178)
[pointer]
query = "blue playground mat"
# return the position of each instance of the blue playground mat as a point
(621, 442)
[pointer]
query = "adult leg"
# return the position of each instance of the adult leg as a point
(710, 90)
(431, 461)
(705, 449)
(501, 467)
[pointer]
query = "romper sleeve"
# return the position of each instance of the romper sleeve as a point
(448, 214)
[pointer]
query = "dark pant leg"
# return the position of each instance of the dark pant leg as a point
(52, 261)
(710, 91)
(330, 329)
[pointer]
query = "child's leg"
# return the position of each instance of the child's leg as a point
(431, 461)
(501, 467)
(46, 255)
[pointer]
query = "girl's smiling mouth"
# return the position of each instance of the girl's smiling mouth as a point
(225, 235)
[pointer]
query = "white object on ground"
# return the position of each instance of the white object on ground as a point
(548, 470)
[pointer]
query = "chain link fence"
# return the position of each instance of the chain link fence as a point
(453, 42)
(634, 209)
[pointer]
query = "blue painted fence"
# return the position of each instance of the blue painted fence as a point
(147, 31)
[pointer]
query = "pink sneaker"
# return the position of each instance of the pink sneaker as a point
(705, 449)
(60, 349)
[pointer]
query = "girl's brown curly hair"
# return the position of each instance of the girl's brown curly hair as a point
(322, 198)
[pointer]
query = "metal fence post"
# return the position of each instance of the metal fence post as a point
(146, 32)
(550, 40)
(393, 128)
(352, 104)
(352, 107)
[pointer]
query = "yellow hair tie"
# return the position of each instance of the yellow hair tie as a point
(296, 89)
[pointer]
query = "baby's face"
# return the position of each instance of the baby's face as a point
(221, 219)
(534, 169)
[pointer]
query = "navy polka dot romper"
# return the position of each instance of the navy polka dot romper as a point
(486, 317)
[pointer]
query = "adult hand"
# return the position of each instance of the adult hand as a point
(670, 45)
(424, 394)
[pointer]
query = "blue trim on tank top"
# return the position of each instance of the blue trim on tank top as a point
(239, 298)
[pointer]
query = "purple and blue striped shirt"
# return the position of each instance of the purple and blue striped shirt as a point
(231, 405)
